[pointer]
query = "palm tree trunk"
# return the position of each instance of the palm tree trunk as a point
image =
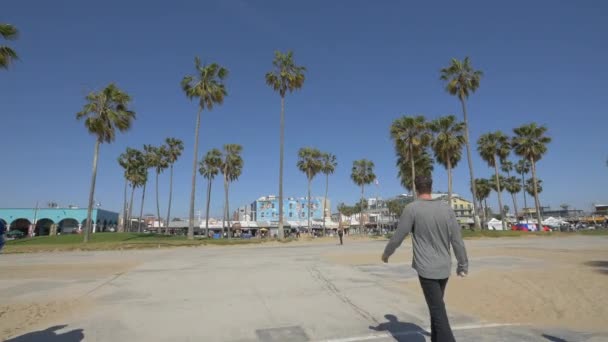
(361, 209)
(485, 203)
(282, 148)
(131, 207)
(309, 206)
(515, 206)
(413, 172)
(498, 190)
(89, 224)
(449, 164)
(227, 209)
(170, 198)
(141, 208)
(325, 203)
(124, 209)
(483, 212)
(523, 187)
(207, 209)
(159, 231)
(470, 161)
(193, 190)
(536, 200)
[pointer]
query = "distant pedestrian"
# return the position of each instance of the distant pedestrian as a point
(434, 228)
(341, 235)
(2, 232)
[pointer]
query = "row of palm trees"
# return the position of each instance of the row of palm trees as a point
(445, 136)
(136, 164)
(312, 161)
(229, 163)
(107, 111)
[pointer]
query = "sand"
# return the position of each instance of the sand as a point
(567, 288)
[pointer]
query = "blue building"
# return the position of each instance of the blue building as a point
(294, 209)
(42, 221)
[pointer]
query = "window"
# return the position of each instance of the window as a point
(290, 214)
(462, 206)
(290, 205)
(303, 215)
(272, 205)
(274, 214)
(469, 206)
(455, 206)
(262, 214)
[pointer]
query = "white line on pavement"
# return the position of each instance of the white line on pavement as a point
(412, 333)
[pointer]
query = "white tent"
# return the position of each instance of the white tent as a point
(495, 224)
(553, 222)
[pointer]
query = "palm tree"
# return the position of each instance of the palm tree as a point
(158, 159)
(207, 85)
(493, 147)
(123, 161)
(522, 168)
(530, 143)
(104, 113)
(530, 186)
(174, 151)
(483, 188)
(135, 163)
(209, 168)
(513, 186)
(7, 55)
(328, 167)
(141, 180)
(498, 186)
(362, 174)
(231, 168)
(150, 156)
(423, 164)
(447, 145)
(285, 76)
(411, 137)
(309, 162)
(461, 80)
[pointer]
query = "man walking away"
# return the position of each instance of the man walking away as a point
(341, 235)
(434, 228)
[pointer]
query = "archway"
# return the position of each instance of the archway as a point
(22, 225)
(68, 226)
(43, 227)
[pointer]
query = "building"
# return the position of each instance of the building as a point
(47, 221)
(601, 209)
(463, 210)
(267, 209)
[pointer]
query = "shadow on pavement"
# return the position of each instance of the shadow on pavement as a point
(401, 331)
(50, 335)
(601, 266)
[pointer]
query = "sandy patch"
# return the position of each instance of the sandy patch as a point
(19, 318)
(63, 271)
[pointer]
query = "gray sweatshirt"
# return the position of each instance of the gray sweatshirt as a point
(434, 228)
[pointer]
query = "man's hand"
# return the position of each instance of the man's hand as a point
(384, 258)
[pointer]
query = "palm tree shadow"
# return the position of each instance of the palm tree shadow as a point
(401, 331)
(50, 335)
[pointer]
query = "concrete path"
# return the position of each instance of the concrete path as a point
(285, 293)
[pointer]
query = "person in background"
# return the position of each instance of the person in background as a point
(434, 229)
(2, 232)
(341, 235)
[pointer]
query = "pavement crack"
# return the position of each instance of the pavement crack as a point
(103, 284)
(333, 289)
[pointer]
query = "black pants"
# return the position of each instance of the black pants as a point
(434, 290)
(341, 235)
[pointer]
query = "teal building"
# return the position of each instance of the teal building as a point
(43, 221)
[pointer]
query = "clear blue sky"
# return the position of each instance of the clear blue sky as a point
(368, 63)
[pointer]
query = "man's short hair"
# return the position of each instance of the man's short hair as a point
(424, 184)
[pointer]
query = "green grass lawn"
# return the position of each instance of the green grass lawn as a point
(110, 241)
